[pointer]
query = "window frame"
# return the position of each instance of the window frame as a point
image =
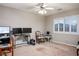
(64, 32)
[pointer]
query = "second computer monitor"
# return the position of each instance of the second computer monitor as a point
(17, 30)
(27, 30)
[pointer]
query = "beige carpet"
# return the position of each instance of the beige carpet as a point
(45, 49)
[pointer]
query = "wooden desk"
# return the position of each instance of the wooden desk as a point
(7, 46)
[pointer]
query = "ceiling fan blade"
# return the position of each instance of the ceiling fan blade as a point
(44, 5)
(39, 4)
(49, 8)
(36, 6)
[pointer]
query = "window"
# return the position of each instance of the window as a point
(66, 27)
(66, 24)
(73, 28)
(56, 27)
(60, 27)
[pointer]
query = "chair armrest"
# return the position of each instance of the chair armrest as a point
(13, 40)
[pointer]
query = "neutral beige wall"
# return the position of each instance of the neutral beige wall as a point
(16, 18)
(63, 38)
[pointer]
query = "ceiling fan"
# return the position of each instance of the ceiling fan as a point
(42, 8)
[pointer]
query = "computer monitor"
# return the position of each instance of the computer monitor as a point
(27, 30)
(4, 29)
(5, 41)
(17, 30)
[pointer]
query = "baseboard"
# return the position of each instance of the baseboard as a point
(64, 43)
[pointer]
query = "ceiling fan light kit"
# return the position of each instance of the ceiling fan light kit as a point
(43, 11)
(43, 8)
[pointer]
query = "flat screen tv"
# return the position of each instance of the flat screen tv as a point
(17, 30)
(4, 29)
(27, 30)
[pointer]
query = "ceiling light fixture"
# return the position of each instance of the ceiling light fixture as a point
(43, 11)
(43, 8)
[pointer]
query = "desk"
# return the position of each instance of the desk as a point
(27, 37)
(48, 37)
(8, 46)
(23, 36)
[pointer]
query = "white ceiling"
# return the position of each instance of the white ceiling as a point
(30, 7)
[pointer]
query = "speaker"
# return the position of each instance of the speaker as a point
(47, 32)
(32, 41)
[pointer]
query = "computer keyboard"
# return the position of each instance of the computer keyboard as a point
(4, 37)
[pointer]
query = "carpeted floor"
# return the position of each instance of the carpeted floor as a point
(45, 49)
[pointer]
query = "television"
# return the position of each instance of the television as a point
(27, 30)
(4, 29)
(17, 30)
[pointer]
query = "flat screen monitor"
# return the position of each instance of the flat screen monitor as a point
(27, 30)
(17, 30)
(5, 41)
(4, 29)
